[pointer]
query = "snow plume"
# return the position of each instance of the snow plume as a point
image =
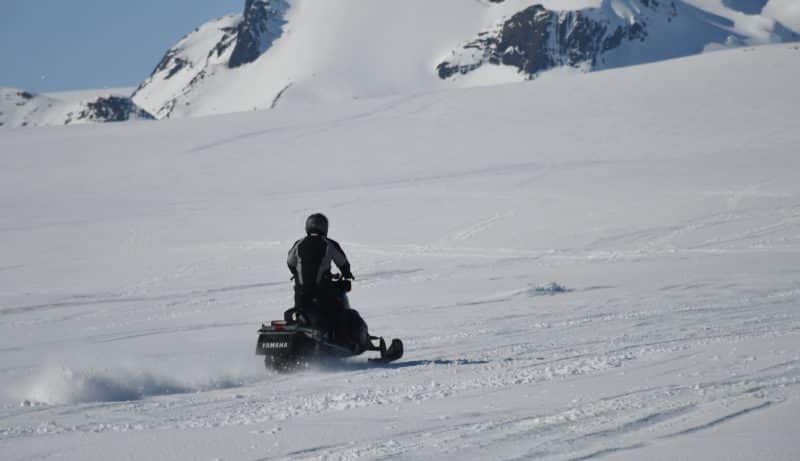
(81, 384)
(66, 385)
(786, 12)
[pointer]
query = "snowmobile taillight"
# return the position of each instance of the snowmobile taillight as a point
(278, 324)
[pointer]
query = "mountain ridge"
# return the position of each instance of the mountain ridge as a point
(296, 51)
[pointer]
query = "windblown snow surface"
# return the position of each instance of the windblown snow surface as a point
(591, 266)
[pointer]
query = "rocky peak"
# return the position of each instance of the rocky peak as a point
(536, 39)
(261, 24)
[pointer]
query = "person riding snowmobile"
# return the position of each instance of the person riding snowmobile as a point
(321, 324)
(315, 293)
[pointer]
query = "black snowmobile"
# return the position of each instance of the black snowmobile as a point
(303, 337)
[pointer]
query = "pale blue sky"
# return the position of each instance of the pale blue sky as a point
(53, 45)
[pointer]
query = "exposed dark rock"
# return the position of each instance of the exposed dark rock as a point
(179, 63)
(581, 39)
(25, 95)
(166, 61)
(225, 43)
(109, 109)
(523, 41)
(279, 95)
(536, 39)
(262, 23)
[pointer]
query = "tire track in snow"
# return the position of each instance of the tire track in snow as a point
(481, 225)
(720, 420)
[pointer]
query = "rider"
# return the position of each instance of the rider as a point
(310, 263)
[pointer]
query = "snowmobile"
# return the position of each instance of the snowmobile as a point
(302, 337)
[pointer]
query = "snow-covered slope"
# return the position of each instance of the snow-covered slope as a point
(20, 108)
(187, 64)
(139, 259)
(302, 51)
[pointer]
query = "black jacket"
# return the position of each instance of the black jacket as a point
(310, 260)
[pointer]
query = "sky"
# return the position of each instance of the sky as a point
(58, 45)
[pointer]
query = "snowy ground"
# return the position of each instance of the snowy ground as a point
(604, 265)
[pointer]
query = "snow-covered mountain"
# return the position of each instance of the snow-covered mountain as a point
(613, 34)
(20, 108)
(298, 51)
(309, 52)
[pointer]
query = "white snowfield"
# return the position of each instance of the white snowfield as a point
(596, 266)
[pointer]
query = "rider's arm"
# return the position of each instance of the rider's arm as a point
(292, 260)
(340, 259)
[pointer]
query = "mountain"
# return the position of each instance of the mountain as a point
(279, 52)
(19, 108)
(293, 51)
(614, 34)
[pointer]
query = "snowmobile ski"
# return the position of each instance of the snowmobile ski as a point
(394, 352)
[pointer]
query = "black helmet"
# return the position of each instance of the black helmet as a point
(317, 223)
